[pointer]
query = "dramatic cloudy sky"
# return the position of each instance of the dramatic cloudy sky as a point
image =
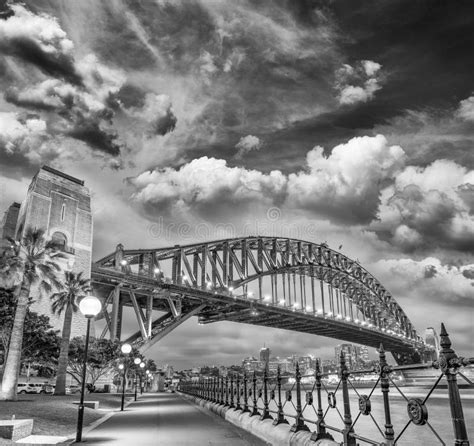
(349, 122)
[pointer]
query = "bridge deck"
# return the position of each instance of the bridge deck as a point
(167, 419)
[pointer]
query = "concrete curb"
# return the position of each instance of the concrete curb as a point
(275, 435)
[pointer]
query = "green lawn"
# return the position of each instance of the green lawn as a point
(57, 415)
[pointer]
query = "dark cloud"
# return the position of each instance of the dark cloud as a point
(98, 138)
(468, 273)
(38, 40)
(430, 271)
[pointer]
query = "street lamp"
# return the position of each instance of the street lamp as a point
(136, 361)
(142, 366)
(126, 350)
(90, 307)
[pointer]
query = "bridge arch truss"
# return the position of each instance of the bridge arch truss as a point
(267, 281)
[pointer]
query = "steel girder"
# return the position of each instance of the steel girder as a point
(209, 272)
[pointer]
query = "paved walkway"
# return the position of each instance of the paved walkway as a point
(168, 419)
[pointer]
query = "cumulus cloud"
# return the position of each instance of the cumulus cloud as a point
(25, 136)
(466, 109)
(428, 277)
(359, 83)
(247, 144)
(206, 183)
(344, 186)
(429, 206)
(347, 183)
(38, 39)
(80, 99)
(18, 134)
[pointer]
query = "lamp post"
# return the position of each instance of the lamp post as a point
(136, 361)
(126, 350)
(90, 307)
(142, 365)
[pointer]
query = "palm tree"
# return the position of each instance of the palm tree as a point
(36, 260)
(75, 287)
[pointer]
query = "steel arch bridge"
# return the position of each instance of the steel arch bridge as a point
(265, 281)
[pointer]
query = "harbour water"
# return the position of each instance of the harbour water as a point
(439, 416)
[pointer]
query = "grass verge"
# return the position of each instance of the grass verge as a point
(57, 415)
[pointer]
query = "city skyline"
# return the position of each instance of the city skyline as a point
(320, 121)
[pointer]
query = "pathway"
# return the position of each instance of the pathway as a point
(168, 419)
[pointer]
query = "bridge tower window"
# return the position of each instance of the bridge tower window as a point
(63, 211)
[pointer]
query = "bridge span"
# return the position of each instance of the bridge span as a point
(266, 281)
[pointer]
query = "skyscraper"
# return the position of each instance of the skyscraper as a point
(265, 355)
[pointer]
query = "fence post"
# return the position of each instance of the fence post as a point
(237, 406)
(449, 364)
(246, 396)
(280, 419)
(265, 414)
(214, 393)
(255, 409)
(226, 391)
(232, 406)
(320, 427)
(299, 423)
(385, 371)
(221, 391)
(348, 439)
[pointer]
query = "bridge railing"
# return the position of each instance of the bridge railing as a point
(309, 400)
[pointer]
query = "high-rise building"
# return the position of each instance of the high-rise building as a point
(432, 339)
(59, 204)
(350, 355)
(265, 354)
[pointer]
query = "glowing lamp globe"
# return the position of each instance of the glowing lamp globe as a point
(126, 348)
(142, 365)
(137, 361)
(90, 306)
(121, 366)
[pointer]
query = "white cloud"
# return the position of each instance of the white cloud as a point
(466, 109)
(370, 67)
(429, 206)
(427, 277)
(247, 144)
(206, 181)
(357, 84)
(20, 135)
(38, 39)
(347, 183)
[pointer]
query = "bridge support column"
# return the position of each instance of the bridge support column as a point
(115, 313)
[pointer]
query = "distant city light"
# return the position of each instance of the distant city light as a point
(156, 270)
(123, 262)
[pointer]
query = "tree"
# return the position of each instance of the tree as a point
(74, 287)
(36, 260)
(40, 348)
(101, 358)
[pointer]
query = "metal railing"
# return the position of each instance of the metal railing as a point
(263, 396)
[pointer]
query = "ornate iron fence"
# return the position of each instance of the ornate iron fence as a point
(265, 396)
